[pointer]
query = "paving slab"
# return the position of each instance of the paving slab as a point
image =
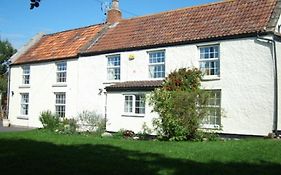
(13, 128)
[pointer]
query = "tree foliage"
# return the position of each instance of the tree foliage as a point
(181, 105)
(6, 51)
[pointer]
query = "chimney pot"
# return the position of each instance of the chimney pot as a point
(114, 14)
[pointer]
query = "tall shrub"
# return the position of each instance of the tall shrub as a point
(49, 120)
(181, 105)
(91, 121)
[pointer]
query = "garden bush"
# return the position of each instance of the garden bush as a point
(49, 120)
(181, 105)
(91, 121)
(54, 123)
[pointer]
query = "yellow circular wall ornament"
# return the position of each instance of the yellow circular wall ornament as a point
(131, 57)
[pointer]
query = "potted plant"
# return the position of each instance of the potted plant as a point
(6, 122)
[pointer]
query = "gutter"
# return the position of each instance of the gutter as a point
(275, 73)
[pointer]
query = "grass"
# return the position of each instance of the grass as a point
(37, 152)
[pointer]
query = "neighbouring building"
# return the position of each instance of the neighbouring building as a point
(110, 68)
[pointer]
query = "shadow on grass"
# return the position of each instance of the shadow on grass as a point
(31, 157)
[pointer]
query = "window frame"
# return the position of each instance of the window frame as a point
(215, 60)
(60, 104)
(24, 104)
(117, 77)
(134, 106)
(154, 64)
(59, 78)
(213, 106)
(26, 75)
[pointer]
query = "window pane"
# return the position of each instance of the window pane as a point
(60, 98)
(113, 67)
(61, 72)
(210, 67)
(60, 110)
(209, 60)
(25, 74)
(113, 61)
(214, 109)
(157, 71)
(128, 106)
(140, 104)
(113, 73)
(61, 66)
(157, 57)
(24, 104)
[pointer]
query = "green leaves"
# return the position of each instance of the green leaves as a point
(180, 104)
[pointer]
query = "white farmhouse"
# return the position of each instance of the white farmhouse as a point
(111, 67)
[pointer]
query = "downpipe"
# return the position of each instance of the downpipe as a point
(275, 73)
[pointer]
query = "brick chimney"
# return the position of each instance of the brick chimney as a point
(114, 14)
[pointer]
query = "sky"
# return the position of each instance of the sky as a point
(18, 24)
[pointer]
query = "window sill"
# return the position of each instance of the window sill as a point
(133, 115)
(23, 117)
(211, 78)
(59, 85)
(24, 86)
(213, 127)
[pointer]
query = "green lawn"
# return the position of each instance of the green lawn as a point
(37, 152)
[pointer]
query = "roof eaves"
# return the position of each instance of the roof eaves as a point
(45, 60)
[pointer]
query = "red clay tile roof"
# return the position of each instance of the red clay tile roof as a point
(60, 45)
(137, 85)
(227, 18)
(211, 21)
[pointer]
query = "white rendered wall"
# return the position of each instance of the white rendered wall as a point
(41, 92)
(118, 120)
(246, 84)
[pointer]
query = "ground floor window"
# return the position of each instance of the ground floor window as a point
(24, 104)
(214, 108)
(60, 104)
(134, 104)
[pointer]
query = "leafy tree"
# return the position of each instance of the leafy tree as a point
(6, 51)
(181, 105)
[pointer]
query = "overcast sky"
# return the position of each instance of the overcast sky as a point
(18, 23)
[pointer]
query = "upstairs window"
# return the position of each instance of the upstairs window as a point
(60, 104)
(61, 72)
(24, 104)
(209, 60)
(25, 74)
(213, 119)
(134, 104)
(113, 67)
(157, 64)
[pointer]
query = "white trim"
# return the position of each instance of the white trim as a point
(24, 86)
(156, 64)
(133, 113)
(62, 84)
(61, 71)
(25, 75)
(207, 44)
(113, 67)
